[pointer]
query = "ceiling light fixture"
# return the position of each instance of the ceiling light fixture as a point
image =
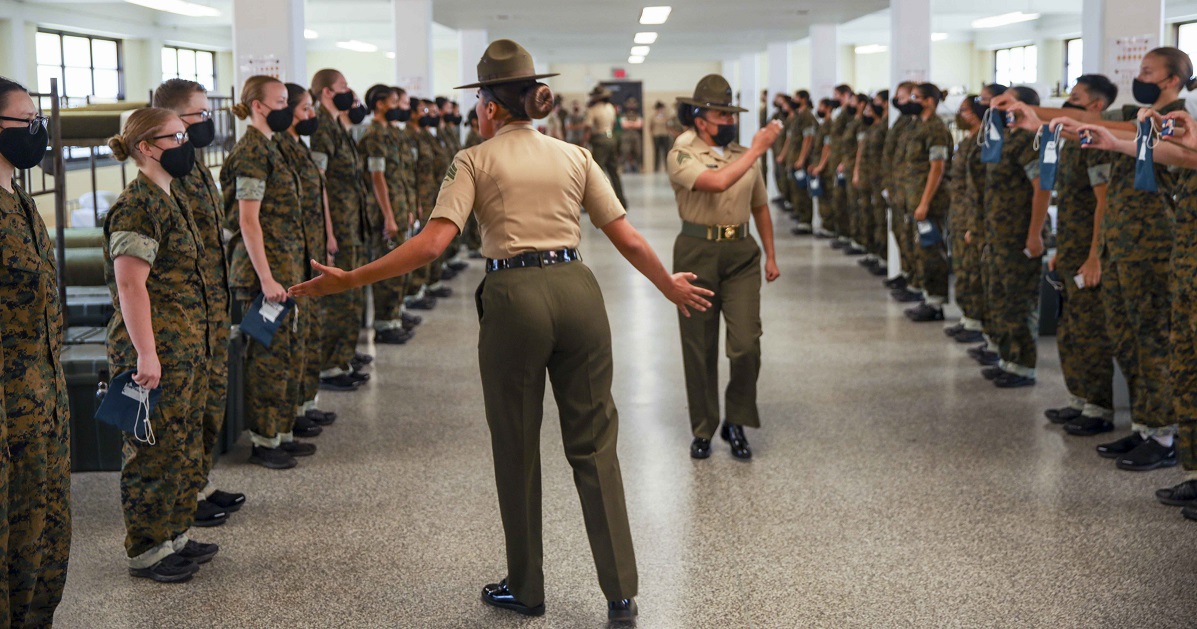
(357, 46)
(654, 15)
(871, 49)
(646, 38)
(639, 51)
(178, 7)
(1006, 19)
(938, 36)
(310, 34)
(635, 59)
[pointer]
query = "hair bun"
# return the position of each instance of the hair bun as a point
(241, 110)
(538, 101)
(120, 150)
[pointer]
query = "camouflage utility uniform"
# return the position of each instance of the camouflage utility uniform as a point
(387, 152)
(894, 164)
(966, 186)
(928, 141)
(799, 127)
(872, 204)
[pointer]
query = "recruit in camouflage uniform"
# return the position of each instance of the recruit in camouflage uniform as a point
(255, 170)
(315, 236)
(781, 170)
(1137, 238)
(1086, 355)
(967, 182)
(158, 481)
(387, 152)
(429, 161)
(837, 194)
(851, 219)
(826, 176)
(449, 143)
(1012, 291)
(336, 154)
(928, 141)
(35, 469)
(873, 204)
(1183, 360)
(800, 127)
(202, 197)
(893, 157)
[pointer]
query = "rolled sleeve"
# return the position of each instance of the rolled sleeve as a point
(133, 244)
(684, 168)
(1032, 170)
(376, 164)
(1099, 175)
(321, 160)
(938, 153)
(251, 189)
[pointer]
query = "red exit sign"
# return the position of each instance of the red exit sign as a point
(619, 73)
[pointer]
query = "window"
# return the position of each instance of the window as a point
(87, 68)
(1074, 55)
(194, 65)
(1186, 37)
(1018, 65)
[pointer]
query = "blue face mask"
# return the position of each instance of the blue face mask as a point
(1144, 166)
(800, 178)
(992, 137)
(1049, 156)
(929, 234)
(128, 406)
(264, 318)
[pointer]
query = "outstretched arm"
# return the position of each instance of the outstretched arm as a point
(411, 255)
(677, 287)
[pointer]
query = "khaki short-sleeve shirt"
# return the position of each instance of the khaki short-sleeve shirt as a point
(690, 159)
(600, 117)
(527, 190)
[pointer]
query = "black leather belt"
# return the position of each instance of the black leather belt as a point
(717, 233)
(534, 258)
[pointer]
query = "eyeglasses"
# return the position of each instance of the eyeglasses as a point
(204, 115)
(181, 137)
(34, 123)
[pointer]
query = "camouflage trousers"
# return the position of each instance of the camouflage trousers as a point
(931, 263)
(826, 204)
(215, 374)
(1137, 296)
(879, 242)
(781, 177)
(316, 311)
(1183, 360)
(342, 316)
(1086, 356)
(35, 514)
(902, 230)
(967, 266)
(272, 377)
(389, 294)
(1012, 305)
(804, 206)
(839, 207)
(158, 481)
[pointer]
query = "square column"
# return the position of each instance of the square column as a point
(749, 87)
(413, 46)
(14, 61)
(1103, 22)
(472, 43)
(824, 60)
(264, 30)
(910, 41)
(779, 69)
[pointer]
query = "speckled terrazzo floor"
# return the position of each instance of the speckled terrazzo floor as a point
(892, 487)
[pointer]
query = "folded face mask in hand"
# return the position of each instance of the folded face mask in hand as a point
(929, 234)
(264, 318)
(991, 137)
(128, 406)
(1145, 141)
(1049, 156)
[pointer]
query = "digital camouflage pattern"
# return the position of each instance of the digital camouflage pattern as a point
(893, 157)
(386, 150)
(430, 160)
(781, 172)
(843, 142)
(873, 219)
(158, 482)
(1183, 358)
(967, 174)
(827, 177)
(35, 447)
(255, 170)
(801, 125)
(926, 142)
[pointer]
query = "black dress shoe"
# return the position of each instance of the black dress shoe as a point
(970, 336)
(458, 265)
(447, 274)
(339, 383)
(497, 595)
(272, 458)
(1013, 381)
(823, 234)
(319, 417)
(879, 270)
(1061, 415)
(1151, 455)
(952, 331)
(838, 244)
(1085, 426)
(988, 359)
(853, 250)
(397, 336)
(440, 293)
(924, 313)
(298, 448)
(421, 303)
(1182, 495)
(992, 373)
(622, 610)
(896, 283)
(1115, 449)
(306, 428)
(209, 514)
(360, 360)
(734, 435)
(227, 500)
(410, 320)
(700, 448)
(906, 296)
(1189, 513)
(868, 263)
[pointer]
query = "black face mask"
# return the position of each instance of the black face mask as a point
(867, 120)
(878, 110)
(358, 114)
(849, 110)
(307, 127)
(911, 109)
(452, 119)
(23, 149)
(1072, 106)
(343, 101)
(726, 134)
(396, 115)
(978, 109)
(202, 133)
(279, 120)
(179, 161)
(428, 121)
(894, 101)
(822, 114)
(1144, 92)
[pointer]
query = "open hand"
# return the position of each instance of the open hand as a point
(686, 295)
(331, 280)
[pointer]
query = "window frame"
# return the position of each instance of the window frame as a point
(91, 61)
(1176, 26)
(1067, 66)
(215, 75)
(1009, 50)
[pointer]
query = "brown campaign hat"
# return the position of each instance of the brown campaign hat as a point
(505, 62)
(713, 92)
(599, 92)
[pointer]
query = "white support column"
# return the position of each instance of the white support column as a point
(472, 43)
(1120, 20)
(14, 60)
(153, 62)
(824, 60)
(1093, 36)
(779, 69)
(265, 29)
(413, 46)
(910, 41)
(749, 87)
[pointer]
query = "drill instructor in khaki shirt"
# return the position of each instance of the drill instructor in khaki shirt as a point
(718, 185)
(541, 311)
(600, 135)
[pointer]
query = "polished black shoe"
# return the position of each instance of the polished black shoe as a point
(734, 435)
(896, 283)
(622, 610)
(359, 377)
(198, 552)
(306, 428)
(458, 265)
(1182, 495)
(298, 448)
(397, 336)
(272, 458)
(421, 303)
(992, 373)
(906, 296)
(988, 358)
(853, 250)
(1013, 381)
(924, 313)
(868, 262)
(497, 595)
(1189, 513)
(1061, 415)
(170, 569)
(440, 293)
(320, 418)
(1150, 455)
(953, 330)
(1115, 449)
(360, 360)
(1085, 426)
(447, 274)
(970, 336)
(410, 320)
(227, 500)
(700, 448)
(208, 514)
(339, 383)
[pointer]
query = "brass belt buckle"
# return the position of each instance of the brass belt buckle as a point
(729, 232)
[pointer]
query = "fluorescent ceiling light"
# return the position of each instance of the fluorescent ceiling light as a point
(635, 59)
(390, 55)
(639, 51)
(310, 34)
(655, 15)
(357, 46)
(1005, 19)
(871, 49)
(646, 38)
(190, 9)
(938, 36)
